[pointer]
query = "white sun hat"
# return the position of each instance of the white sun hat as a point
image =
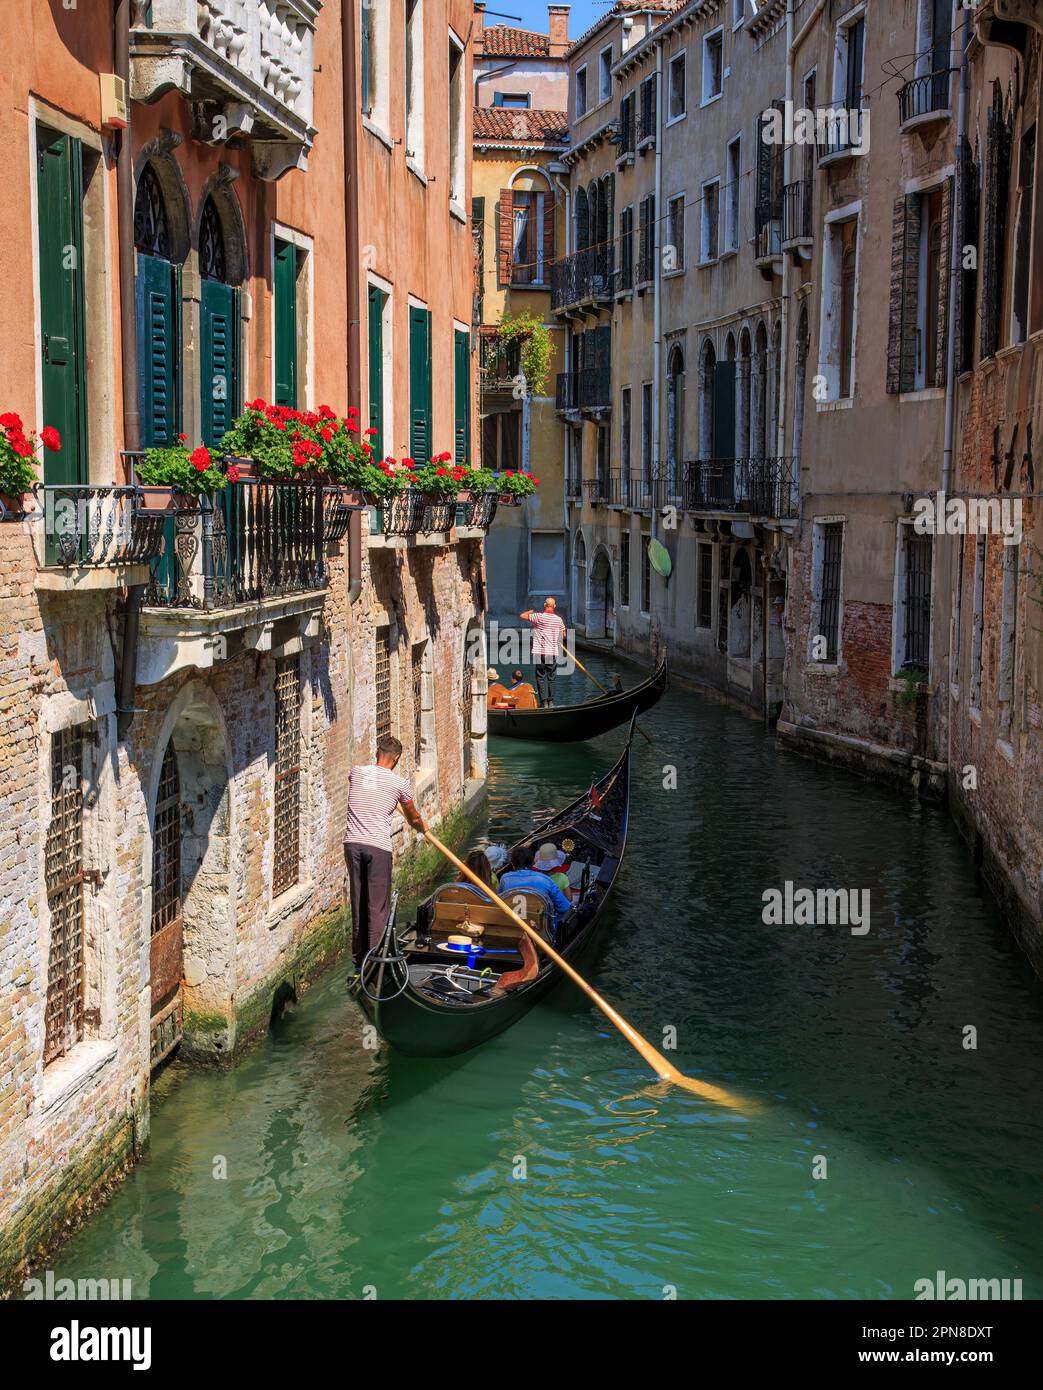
(497, 856)
(548, 857)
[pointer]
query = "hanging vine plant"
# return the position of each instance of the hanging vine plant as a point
(537, 348)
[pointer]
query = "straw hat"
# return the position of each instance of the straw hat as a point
(548, 857)
(492, 674)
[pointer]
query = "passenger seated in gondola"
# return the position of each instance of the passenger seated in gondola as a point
(523, 876)
(478, 862)
(551, 861)
(520, 692)
(496, 696)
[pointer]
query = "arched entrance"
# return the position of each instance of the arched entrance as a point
(192, 909)
(579, 581)
(601, 609)
(740, 606)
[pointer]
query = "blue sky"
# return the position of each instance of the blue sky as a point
(533, 14)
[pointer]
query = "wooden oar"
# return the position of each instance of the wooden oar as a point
(575, 658)
(665, 1070)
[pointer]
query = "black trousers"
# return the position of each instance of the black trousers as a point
(546, 670)
(369, 878)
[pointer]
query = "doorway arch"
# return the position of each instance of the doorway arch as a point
(740, 596)
(579, 580)
(601, 609)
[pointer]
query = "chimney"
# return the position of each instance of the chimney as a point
(478, 28)
(558, 16)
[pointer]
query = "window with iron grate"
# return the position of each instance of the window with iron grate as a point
(286, 871)
(382, 687)
(166, 846)
(63, 859)
(418, 702)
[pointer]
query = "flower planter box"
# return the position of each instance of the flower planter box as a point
(11, 508)
(164, 499)
(246, 468)
(402, 513)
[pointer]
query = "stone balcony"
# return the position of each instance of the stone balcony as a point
(245, 65)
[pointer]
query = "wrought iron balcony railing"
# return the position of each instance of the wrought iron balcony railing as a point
(499, 363)
(95, 527)
(590, 388)
(796, 212)
(767, 220)
(583, 276)
(253, 540)
(755, 486)
(627, 130)
(924, 96)
(842, 133)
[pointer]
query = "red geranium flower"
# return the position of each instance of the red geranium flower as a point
(441, 472)
(444, 458)
(367, 448)
(371, 430)
(20, 445)
(10, 420)
(233, 473)
(258, 404)
(326, 433)
(50, 438)
(200, 458)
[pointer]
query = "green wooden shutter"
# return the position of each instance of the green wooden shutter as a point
(285, 324)
(377, 299)
(724, 410)
(158, 350)
(420, 444)
(219, 367)
(462, 397)
(64, 366)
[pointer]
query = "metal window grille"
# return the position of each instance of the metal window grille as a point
(705, 595)
(722, 606)
(383, 682)
(418, 702)
(646, 580)
(64, 878)
(829, 600)
(287, 774)
(917, 600)
(166, 846)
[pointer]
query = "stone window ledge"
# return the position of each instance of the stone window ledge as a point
(289, 902)
(81, 579)
(823, 668)
(426, 780)
(72, 1073)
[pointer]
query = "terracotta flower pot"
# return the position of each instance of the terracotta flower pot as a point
(158, 498)
(246, 468)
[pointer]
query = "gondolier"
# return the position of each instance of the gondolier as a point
(546, 648)
(375, 792)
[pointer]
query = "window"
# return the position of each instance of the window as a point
(646, 239)
(603, 448)
(374, 48)
(704, 586)
(457, 110)
(678, 89)
(512, 101)
(646, 577)
(826, 589)
(461, 398)
(381, 373)
(626, 125)
(286, 329)
(624, 568)
(918, 315)
(646, 130)
(722, 598)
(63, 870)
(738, 13)
(646, 433)
(532, 229)
(839, 303)
(1008, 636)
(731, 223)
(581, 93)
(605, 74)
(574, 443)
(713, 65)
(625, 426)
(999, 133)
(382, 718)
(626, 249)
(415, 81)
(420, 442)
(1023, 237)
(501, 440)
(709, 248)
(673, 255)
(977, 644)
(848, 66)
(913, 619)
(287, 795)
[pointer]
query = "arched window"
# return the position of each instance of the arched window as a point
(219, 321)
(579, 578)
(157, 282)
(167, 925)
(799, 385)
(743, 403)
(582, 220)
(759, 421)
(771, 444)
(707, 373)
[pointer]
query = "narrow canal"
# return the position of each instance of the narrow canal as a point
(351, 1172)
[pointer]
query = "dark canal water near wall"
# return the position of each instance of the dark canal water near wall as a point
(349, 1169)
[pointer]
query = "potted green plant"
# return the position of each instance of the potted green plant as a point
(17, 459)
(173, 477)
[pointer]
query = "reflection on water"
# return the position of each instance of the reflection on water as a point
(547, 1163)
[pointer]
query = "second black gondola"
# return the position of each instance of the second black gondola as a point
(571, 723)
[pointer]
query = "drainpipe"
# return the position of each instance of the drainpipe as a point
(657, 281)
(128, 664)
(351, 256)
(566, 194)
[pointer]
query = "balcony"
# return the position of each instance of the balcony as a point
(768, 237)
(589, 388)
(925, 100)
(762, 487)
(499, 366)
(1007, 22)
(658, 485)
(583, 278)
(245, 65)
(796, 215)
(842, 137)
(92, 537)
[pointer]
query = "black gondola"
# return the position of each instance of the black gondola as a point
(427, 1000)
(570, 723)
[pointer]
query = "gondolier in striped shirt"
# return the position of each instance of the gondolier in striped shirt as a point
(546, 647)
(375, 793)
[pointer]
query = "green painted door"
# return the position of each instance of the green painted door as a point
(64, 366)
(420, 444)
(159, 350)
(377, 299)
(285, 324)
(724, 410)
(462, 397)
(219, 367)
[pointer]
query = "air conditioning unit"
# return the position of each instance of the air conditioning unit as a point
(113, 101)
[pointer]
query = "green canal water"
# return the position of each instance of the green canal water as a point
(353, 1173)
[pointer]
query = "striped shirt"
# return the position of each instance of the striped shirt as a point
(373, 796)
(546, 641)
